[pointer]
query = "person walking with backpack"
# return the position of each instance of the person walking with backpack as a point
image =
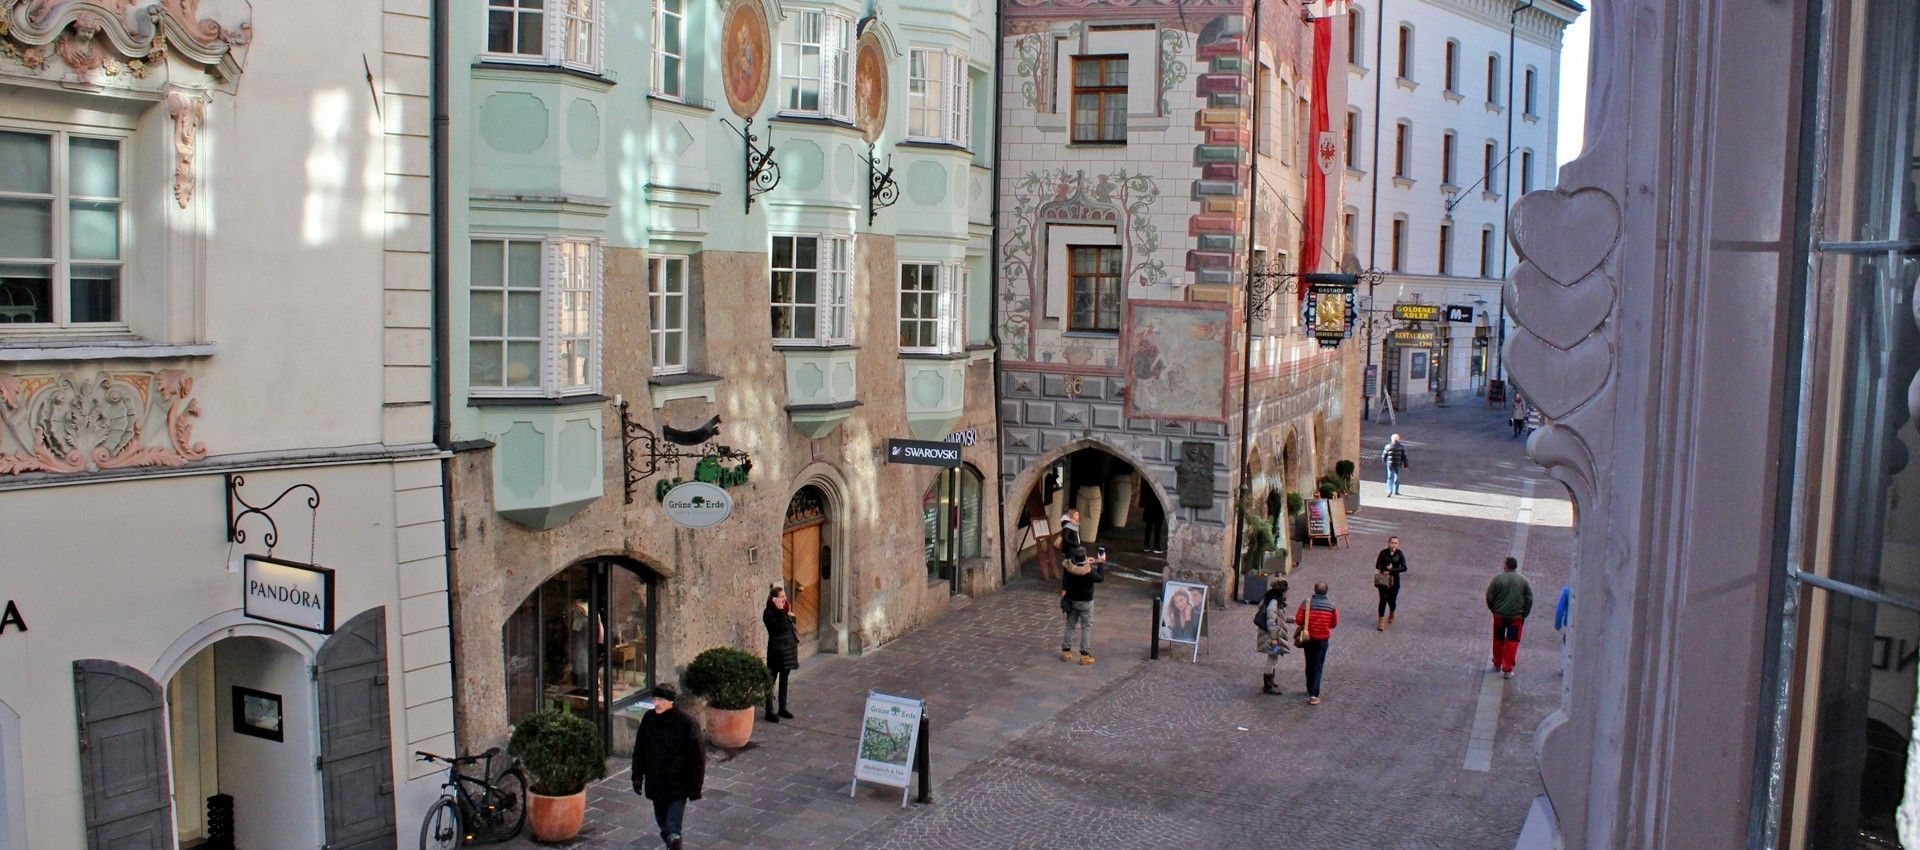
(1393, 456)
(783, 648)
(1313, 628)
(1510, 599)
(1386, 579)
(1271, 620)
(669, 762)
(1076, 601)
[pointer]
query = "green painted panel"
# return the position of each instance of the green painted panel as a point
(927, 183)
(808, 381)
(583, 128)
(802, 163)
(847, 165)
(927, 389)
(513, 122)
(579, 456)
(521, 458)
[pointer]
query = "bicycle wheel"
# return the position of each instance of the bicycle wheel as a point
(441, 829)
(510, 803)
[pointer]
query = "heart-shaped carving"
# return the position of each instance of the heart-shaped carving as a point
(1558, 382)
(1561, 315)
(1566, 236)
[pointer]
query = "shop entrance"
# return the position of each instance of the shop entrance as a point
(1118, 510)
(240, 722)
(806, 561)
(585, 640)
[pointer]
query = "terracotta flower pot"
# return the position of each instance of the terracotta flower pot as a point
(729, 728)
(556, 818)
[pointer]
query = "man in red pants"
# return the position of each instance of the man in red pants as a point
(1510, 598)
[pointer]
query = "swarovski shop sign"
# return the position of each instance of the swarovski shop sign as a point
(289, 593)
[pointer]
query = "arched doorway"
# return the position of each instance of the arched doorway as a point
(585, 639)
(1119, 510)
(806, 560)
(241, 722)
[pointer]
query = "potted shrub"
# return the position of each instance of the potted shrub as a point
(733, 683)
(1260, 541)
(561, 752)
(1327, 486)
(1296, 517)
(1349, 486)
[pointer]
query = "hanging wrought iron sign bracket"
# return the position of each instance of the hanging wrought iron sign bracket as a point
(644, 453)
(882, 190)
(762, 172)
(236, 534)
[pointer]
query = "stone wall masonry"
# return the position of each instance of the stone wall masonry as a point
(714, 581)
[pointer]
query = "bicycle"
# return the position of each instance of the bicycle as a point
(474, 808)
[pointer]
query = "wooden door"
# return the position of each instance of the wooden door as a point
(123, 757)
(800, 553)
(356, 760)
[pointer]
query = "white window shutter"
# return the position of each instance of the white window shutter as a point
(553, 271)
(598, 281)
(956, 99)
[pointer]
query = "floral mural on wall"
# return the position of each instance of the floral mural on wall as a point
(1120, 199)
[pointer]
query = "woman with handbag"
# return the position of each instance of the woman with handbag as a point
(1386, 579)
(1271, 621)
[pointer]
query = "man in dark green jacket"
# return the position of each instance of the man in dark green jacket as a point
(1510, 598)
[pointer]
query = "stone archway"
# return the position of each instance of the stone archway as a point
(836, 555)
(1023, 484)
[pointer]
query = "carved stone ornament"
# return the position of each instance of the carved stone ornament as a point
(187, 109)
(63, 423)
(121, 43)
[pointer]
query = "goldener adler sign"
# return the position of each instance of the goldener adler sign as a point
(289, 593)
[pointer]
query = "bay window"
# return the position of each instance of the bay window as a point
(667, 313)
(61, 229)
(534, 323)
(933, 307)
(939, 98)
(809, 289)
(816, 70)
(556, 32)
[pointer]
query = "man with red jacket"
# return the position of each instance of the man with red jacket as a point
(1318, 618)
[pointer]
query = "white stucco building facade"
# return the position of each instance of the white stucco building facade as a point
(1447, 125)
(214, 295)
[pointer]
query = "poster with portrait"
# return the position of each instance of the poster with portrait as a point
(870, 86)
(1183, 608)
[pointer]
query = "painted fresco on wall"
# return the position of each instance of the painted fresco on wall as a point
(1177, 359)
(748, 57)
(870, 88)
(1120, 199)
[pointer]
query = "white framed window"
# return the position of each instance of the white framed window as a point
(1493, 80)
(534, 322)
(815, 64)
(933, 298)
(62, 230)
(810, 279)
(667, 313)
(553, 32)
(669, 48)
(927, 102)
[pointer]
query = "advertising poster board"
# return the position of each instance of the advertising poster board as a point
(889, 739)
(1183, 609)
(1319, 519)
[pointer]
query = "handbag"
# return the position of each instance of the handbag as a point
(1300, 629)
(1383, 579)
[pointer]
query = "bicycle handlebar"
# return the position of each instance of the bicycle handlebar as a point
(486, 756)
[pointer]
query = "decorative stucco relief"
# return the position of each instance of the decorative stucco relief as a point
(187, 110)
(1120, 199)
(101, 41)
(62, 423)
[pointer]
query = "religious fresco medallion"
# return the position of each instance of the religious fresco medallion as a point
(870, 87)
(746, 46)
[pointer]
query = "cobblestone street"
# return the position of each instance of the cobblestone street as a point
(1030, 752)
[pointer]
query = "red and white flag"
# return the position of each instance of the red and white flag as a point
(1326, 8)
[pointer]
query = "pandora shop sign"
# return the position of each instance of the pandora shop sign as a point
(289, 593)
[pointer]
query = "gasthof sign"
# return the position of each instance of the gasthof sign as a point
(289, 593)
(1417, 312)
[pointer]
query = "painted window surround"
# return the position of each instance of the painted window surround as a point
(1142, 49)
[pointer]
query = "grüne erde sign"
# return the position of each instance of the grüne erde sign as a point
(289, 593)
(923, 452)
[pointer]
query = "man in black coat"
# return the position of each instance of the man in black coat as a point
(669, 762)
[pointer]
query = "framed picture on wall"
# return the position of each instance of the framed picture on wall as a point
(1417, 367)
(257, 713)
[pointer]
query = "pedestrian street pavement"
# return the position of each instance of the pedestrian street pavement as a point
(1414, 746)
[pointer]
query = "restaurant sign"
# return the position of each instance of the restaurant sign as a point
(289, 593)
(1410, 338)
(1417, 312)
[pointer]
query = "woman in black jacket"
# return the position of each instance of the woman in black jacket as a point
(783, 647)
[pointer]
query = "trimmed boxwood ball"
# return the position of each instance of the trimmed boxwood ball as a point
(729, 679)
(1296, 503)
(1343, 468)
(560, 749)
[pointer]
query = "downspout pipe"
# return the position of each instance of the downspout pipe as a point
(441, 292)
(993, 278)
(1246, 338)
(1373, 205)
